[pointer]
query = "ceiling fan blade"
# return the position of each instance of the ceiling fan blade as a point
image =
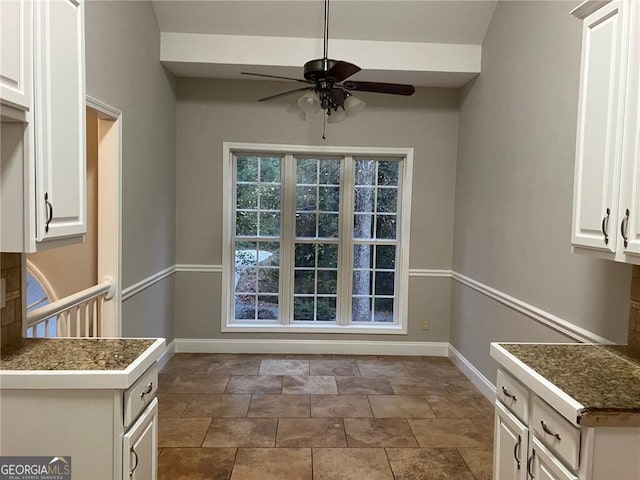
(378, 87)
(275, 76)
(272, 97)
(342, 70)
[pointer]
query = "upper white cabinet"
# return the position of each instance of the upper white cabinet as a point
(46, 204)
(606, 216)
(16, 37)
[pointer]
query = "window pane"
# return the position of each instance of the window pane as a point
(269, 224)
(327, 225)
(270, 170)
(307, 171)
(327, 256)
(269, 254)
(386, 227)
(305, 255)
(362, 282)
(387, 200)
(388, 173)
(247, 169)
(268, 280)
(245, 280)
(267, 307)
(365, 172)
(245, 307)
(384, 283)
(329, 199)
(326, 309)
(364, 199)
(269, 197)
(305, 224)
(303, 308)
(246, 224)
(362, 226)
(246, 254)
(362, 256)
(247, 196)
(386, 256)
(361, 310)
(304, 282)
(330, 172)
(306, 198)
(383, 310)
(328, 281)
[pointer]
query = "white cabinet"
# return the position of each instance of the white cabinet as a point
(16, 37)
(140, 446)
(510, 446)
(542, 465)
(606, 216)
(46, 205)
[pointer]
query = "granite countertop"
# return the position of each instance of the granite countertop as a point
(604, 379)
(72, 354)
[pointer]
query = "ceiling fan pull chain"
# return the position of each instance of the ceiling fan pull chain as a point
(324, 126)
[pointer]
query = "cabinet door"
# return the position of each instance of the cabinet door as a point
(630, 198)
(16, 31)
(542, 465)
(140, 446)
(60, 119)
(509, 446)
(599, 135)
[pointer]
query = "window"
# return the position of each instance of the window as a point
(316, 238)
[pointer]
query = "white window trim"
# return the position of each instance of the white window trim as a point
(400, 328)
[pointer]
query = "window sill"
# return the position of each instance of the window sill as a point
(307, 328)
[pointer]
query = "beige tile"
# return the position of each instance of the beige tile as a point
(284, 367)
(460, 406)
(343, 368)
(168, 407)
(272, 464)
(234, 366)
(307, 384)
(196, 463)
(199, 384)
(241, 432)
(480, 461)
(432, 464)
(453, 433)
(379, 432)
(307, 356)
(254, 384)
(382, 368)
(186, 366)
(217, 405)
(311, 432)
(165, 380)
(417, 385)
(400, 406)
(460, 386)
(182, 432)
(435, 368)
(340, 406)
(354, 357)
(279, 406)
(364, 386)
(350, 464)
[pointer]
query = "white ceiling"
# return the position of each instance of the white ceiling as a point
(426, 43)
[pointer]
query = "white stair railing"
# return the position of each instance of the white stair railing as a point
(78, 315)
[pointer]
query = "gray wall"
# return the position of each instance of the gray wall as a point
(123, 70)
(211, 112)
(514, 189)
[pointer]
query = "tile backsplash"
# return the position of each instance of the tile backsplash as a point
(634, 309)
(11, 318)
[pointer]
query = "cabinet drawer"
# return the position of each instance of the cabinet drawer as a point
(140, 395)
(514, 395)
(556, 432)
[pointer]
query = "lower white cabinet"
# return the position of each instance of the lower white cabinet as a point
(543, 465)
(510, 447)
(140, 446)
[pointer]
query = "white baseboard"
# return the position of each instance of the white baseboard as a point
(472, 373)
(339, 347)
(169, 351)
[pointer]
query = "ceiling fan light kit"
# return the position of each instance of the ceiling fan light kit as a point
(327, 89)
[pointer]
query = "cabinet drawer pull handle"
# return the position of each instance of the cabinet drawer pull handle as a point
(132, 450)
(548, 431)
(147, 390)
(49, 206)
(516, 450)
(530, 462)
(508, 394)
(623, 227)
(605, 227)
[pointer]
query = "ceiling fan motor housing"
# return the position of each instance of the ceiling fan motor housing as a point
(315, 70)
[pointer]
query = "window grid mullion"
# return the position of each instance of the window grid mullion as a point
(287, 245)
(345, 260)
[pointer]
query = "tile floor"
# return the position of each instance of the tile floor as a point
(321, 417)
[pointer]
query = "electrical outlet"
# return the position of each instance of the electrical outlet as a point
(425, 324)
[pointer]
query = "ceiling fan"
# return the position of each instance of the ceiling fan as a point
(328, 88)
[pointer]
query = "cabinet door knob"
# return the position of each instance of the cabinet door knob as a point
(623, 227)
(132, 450)
(49, 206)
(548, 431)
(147, 390)
(508, 394)
(605, 227)
(516, 450)
(530, 462)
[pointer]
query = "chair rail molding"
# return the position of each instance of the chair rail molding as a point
(147, 282)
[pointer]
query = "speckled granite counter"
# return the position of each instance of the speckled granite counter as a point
(604, 380)
(77, 362)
